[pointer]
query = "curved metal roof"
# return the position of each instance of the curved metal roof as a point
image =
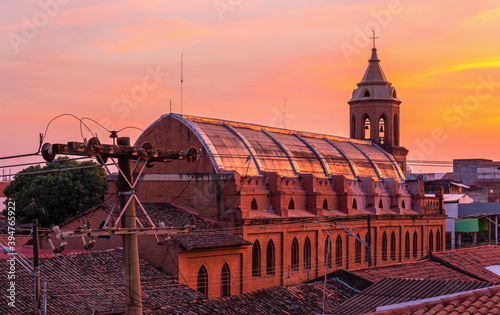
(252, 149)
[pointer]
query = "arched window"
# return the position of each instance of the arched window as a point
(407, 244)
(415, 244)
(381, 129)
(295, 255)
(403, 204)
(357, 250)
(253, 205)
(291, 204)
(384, 246)
(353, 126)
(202, 283)
(396, 131)
(338, 251)
(394, 93)
(307, 254)
(380, 204)
(393, 246)
(270, 258)
(431, 242)
(225, 281)
(438, 241)
(256, 259)
(367, 128)
(328, 252)
(367, 249)
(366, 93)
(354, 204)
(325, 204)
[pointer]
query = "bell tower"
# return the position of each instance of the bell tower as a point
(374, 111)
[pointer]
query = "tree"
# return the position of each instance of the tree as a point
(55, 196)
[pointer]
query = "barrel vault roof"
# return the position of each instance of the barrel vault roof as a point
(252, 149)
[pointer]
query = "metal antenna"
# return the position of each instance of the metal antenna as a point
(182, 77)
(283, 117)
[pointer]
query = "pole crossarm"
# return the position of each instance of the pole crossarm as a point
(122, 231)
(94, 148)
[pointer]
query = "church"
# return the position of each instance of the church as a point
(306, 202)
(280, 206)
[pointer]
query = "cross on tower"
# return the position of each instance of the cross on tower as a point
(374, 38)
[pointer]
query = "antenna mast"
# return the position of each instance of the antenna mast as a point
(182, 77)
(283, 116)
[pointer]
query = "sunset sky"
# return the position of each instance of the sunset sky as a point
(119, 63)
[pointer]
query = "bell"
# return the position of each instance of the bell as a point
(382, 128)
(366, 127)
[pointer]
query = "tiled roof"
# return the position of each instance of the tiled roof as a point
(296, 299)
(478, 302)
(471, 260)
(170, 214)
(209, 239)
(392, 291)
(85, 282)
(423, 269)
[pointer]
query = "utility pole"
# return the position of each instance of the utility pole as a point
(130, 245)
(369, 240)
(127, 197)
(36, 270)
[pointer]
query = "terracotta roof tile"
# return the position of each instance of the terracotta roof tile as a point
(394, 291)
(471, 260)
(423, 269)
(479, 301)
(209, 239)
(84, 282)
(296, 299)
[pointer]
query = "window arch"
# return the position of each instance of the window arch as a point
(256, 257)
(393, 246)
(438, 241)
(291, 204)
(253, 205)
(357, 250)
(415, 244)
(407, 244)
(353, 126)
(384, 246)
(295, 255)
(382, 128)
(403, 204)
(202, 282)
(225, 281)
(307, 254)
(354, 204)
(380, 204)
(367, 128)
(367, 249)
(338, 251)
(325, 204)
(395, 131)
(270, 258)
(366, 93)
(431, 242)
(328, 252)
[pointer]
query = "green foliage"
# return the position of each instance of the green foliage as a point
(56, 196)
